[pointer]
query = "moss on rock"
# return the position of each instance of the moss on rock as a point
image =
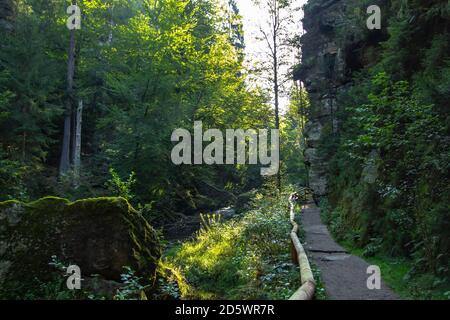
(99, 235)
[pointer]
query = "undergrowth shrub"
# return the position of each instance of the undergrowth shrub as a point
(245, 258)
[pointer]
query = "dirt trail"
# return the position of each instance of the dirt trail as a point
(344, 275)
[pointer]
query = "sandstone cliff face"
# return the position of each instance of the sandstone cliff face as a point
(336, 44)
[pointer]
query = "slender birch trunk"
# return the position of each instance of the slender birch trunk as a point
(77, 144)
(64, 164)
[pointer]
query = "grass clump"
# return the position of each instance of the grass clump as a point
(247, 257)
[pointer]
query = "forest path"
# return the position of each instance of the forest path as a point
(344, 275)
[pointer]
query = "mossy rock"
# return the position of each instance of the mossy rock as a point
(99, 235)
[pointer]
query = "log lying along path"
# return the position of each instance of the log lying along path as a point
(344, 275)
(308, 284)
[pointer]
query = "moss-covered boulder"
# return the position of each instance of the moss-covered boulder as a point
(100, 235)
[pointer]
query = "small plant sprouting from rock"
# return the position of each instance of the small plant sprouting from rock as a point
(57, 264)
(119, 187)
(53, 289)
(170, 288)
(132, 288)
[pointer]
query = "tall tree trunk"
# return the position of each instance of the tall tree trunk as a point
(77, 144)
(24, 146)
(277, 93)
(64, 164)
(111, 25)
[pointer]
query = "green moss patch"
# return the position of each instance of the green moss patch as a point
(100, 235)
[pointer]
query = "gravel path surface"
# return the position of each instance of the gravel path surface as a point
(344, 275)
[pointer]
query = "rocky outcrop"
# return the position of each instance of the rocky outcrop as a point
(101, 236)
(336, 44)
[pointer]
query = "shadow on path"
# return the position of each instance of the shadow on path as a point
(344, 275)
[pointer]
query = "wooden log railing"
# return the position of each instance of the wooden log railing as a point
(308, 287)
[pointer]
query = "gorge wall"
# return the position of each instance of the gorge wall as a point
(336, 44)
(378, 134)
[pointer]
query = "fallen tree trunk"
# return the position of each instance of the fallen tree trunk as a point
(308, 287)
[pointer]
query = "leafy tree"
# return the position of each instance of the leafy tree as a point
(30, 81)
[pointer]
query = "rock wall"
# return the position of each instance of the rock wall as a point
(336, 44)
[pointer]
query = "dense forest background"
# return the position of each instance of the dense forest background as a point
(138, 70)
(142, 69)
